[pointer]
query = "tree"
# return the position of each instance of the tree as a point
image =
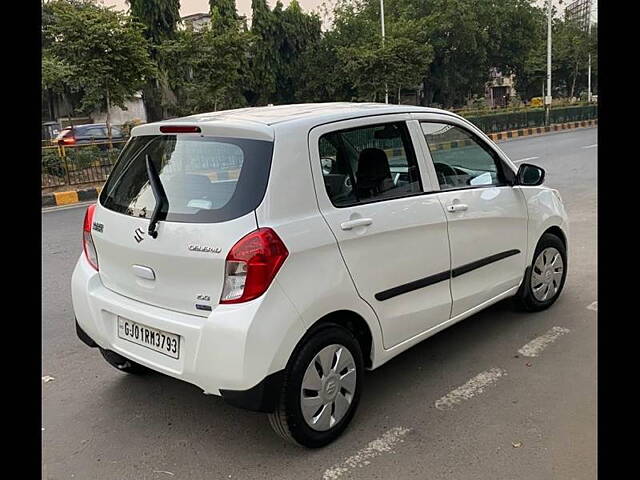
(399, 63)
(261, 82)
(224, 15)
(56, 73)
(97, 51)
(160, 18)
(206, 69)
(279, 52)
(570, 52)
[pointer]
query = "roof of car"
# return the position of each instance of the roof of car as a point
(254, 122)
(274, 114)
(85, 125)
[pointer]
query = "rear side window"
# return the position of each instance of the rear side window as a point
(206, 179)
(94, 132)
(369, 164)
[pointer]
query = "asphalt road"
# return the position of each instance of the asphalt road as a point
(522, 418)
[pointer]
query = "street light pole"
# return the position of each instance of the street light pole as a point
(547, 98)
(589, 36)
(386, 89)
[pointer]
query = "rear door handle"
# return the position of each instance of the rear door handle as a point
(359, 222)
(457, 207)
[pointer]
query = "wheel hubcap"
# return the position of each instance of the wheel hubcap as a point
(328, 386)
(546, 274)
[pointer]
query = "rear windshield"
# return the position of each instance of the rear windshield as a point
(206, 179)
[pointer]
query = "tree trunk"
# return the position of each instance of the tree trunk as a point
(152, 103)
(573, 84)
(427, 96)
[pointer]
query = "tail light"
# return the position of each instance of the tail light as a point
(87, 241)
(251, 266)
(68, 138)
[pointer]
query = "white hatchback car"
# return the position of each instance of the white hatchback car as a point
(270, 255)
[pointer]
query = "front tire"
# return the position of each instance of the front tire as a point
(321, 390)
(545, 278)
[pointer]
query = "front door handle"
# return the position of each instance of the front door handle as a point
(359, 222)
(457, 207)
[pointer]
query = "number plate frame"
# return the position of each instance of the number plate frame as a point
(163, 342)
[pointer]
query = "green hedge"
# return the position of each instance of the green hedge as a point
(499, 122)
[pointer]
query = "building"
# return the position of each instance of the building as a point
(499, 90)
(196, 21)
(579, 11)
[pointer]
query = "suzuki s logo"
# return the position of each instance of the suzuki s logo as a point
(138, 235)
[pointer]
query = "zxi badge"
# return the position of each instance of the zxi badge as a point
(138, 235)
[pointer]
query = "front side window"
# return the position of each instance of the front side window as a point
(460, 159)
(206, 179)
(368, 164)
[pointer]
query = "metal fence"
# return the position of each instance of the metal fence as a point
(500, 122)
(78, 164)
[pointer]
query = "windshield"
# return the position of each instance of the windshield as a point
(206, 179)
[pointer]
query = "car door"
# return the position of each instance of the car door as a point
(487, 216)
(392, 236)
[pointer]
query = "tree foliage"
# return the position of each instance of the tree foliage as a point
(224, 15)
(95, 50)
(206, 69)
(160, 19)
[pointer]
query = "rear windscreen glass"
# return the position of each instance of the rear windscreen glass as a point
(206, 179)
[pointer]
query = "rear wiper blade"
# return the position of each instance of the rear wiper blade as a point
(162, 202)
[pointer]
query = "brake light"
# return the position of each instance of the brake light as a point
(68, 138)
(251, 265)
(179, 129)
(87, 241)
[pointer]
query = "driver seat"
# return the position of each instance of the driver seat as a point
(373, 175)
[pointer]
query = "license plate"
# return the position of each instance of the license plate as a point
(157, 340)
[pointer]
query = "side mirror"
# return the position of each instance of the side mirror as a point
(530, 175)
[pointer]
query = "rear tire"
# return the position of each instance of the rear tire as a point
(321, 390)
(123, 364)
(545, 277)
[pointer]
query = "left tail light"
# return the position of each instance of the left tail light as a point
(251, 265)
(87, 240)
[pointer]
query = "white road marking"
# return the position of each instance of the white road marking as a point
(535, 346)
(591, 146)
(363, 457)
(473, 387)
(593, 306)
(525, 159)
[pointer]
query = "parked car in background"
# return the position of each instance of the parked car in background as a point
(88, 133)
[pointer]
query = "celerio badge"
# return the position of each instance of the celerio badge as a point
(204, 248)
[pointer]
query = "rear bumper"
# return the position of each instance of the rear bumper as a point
(238, 351)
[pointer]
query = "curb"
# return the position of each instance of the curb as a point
(556, 127)
(68, 198)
